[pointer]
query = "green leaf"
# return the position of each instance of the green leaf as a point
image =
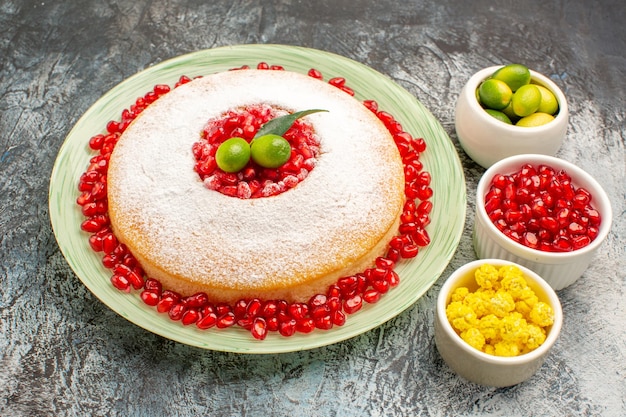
(280, 125)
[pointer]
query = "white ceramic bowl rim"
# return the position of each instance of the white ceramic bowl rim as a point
(553, 299)
(599, 196)
(483, 74)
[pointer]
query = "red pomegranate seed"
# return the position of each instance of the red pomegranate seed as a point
(371, 296)
(95, 242)
(197, 300)
(409, 251)
(381, 286)
(149, 297)
(315, 74)
(109, 261)
(207, 321)
(298, 310)
(305, 325)
(120, 282)
(190, 317)
(287, 328)
(393, 279)
(353, 304)
(176, 311)
(166, 303)
(272, 323)
(339, 318)
(324, 322)
(226, 320)
(153, 285)
(259, 328)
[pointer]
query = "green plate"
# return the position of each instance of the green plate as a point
(417, 275)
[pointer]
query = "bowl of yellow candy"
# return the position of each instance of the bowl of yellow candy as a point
(510, 110)
(496, 321)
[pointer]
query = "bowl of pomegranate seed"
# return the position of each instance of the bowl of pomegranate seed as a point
(488, 135)
(542, 212)
(496, 322)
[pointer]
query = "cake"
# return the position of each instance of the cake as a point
(289, 246)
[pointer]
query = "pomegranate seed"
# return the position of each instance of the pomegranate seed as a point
(315, 74)
(371, 105)
(109, 261)
(120, 282)
(259, 328)
(207, 321)
(409, 251)
(95, 242)
(381, 286)
(166, 303)
(371, 296)
(339, 319)
(272, 323)
(353, 304)
(176, 311)
(254, 307)
(226, 320)
(324, 322)
(305, 325)
(197, 300)
(190, 317)
(287, 328)
(298, 310)
(393, 279)
(150, 297)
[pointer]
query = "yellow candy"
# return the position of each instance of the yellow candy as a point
(459, 294)
(504, 316)
(474, 338)
(542, 314)
(502, 303)
(487, 276)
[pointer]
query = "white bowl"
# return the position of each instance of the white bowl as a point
(487, 140)
(480, 367)
(559, 269)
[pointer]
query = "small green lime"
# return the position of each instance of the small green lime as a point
(494, 94)
(535, 119)
(499, 115)
(232, 155)
(526, 100)
(549, 104)
(514, 75)
(270, 151)
(508, 110)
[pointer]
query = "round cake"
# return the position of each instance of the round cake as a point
(289, 246)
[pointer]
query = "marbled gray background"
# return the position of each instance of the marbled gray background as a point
(62, 352)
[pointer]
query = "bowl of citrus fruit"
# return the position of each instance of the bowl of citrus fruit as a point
(510, 110)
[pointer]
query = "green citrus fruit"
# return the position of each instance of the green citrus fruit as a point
(270, 151)
(535, 119)
(499, 115)
(232, 155)
(526, 100)
(549, 104)
(494, 94)
(514, 75)
(508, 110)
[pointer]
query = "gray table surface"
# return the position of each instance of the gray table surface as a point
(63, 352)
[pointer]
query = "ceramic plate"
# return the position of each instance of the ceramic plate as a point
(417, 275)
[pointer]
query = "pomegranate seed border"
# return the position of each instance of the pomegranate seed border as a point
(323, 311)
